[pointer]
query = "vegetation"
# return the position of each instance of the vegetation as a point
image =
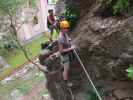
(23, 84)
(33, 48)
(52, 1)
(26, 86)
(17, 59)
(23, 88)
(70, 14)
(130, 71)
(118, 6)
(91, 94)
(32, 3)
(7, 44)
(39, 76)
(11, 9)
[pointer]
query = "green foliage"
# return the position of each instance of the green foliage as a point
(10, 7)
(7, 44)
(130, 72)
(71, 14)
(118, 6)
(52, 1)
(32, 3)
(39, 76)
(23, 88)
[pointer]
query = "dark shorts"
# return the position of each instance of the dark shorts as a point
(64, 58)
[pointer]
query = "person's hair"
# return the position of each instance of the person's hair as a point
(62, 18)
(50, 10)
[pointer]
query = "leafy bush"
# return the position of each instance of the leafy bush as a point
(23, 88)
(118, 6)
(39, 76)
(70, 14)
(6, 44)
(130, 72)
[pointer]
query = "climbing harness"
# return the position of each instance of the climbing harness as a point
(88, 76)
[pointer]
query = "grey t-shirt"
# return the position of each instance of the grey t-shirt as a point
(63, 39)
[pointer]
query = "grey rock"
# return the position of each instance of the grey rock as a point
(121, 94)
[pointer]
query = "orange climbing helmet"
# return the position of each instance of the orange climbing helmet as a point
(64, 24)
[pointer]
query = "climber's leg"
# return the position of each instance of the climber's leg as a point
(65, 62)
(65, 72)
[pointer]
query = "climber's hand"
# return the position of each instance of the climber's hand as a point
(51, 57)
(73, 47)
(57, 54)
(70, 39)
(54, 55)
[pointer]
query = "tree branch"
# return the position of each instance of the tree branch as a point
(22, 48)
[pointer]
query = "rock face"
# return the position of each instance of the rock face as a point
(108, 44)
(105, 44)
(55, 84)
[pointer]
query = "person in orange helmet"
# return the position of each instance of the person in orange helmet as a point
(64, 48)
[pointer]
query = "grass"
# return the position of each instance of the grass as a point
(32, 48)
(18, 59)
